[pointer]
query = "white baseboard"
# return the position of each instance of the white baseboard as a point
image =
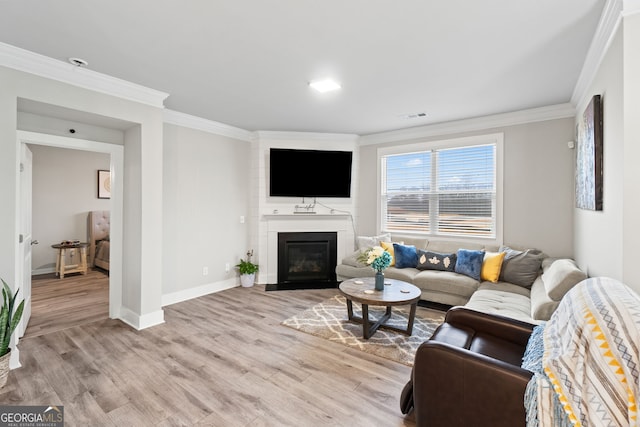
(144, 321)
(199, 291)
(40, 271)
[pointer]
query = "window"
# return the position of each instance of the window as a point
(446, 189)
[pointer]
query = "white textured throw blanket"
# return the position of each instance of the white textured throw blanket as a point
(591, 357)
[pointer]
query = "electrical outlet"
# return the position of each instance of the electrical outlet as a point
(205, 271)
(227, 267)
(241, 219)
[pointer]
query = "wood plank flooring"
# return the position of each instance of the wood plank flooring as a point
(219, 360)
(58, 304)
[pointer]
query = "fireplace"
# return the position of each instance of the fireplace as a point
(307, 260)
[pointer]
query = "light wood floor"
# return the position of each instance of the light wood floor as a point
(58, 304)
(219, 360)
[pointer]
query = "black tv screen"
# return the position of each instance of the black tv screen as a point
(309, 173)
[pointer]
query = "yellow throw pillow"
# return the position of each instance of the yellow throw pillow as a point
(491, 266)
(388, 246)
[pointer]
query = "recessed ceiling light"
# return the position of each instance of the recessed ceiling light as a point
(78, 62)
(326, 85)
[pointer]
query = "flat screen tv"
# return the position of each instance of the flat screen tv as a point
(309, 173)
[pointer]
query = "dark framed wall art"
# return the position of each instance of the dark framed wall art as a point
(104, 184)
(589, 157)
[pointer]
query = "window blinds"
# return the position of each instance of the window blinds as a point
(449, 191)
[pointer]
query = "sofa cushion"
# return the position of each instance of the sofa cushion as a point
(502, 303)
(542, 307)
(561, 276)
(504, 287)
(428, 260)
(404, 274)
(491, 266)
(469, 263)
(366, 242)
(446, 282)
(406, 256)
(520, 267)
(353, 260)
(418, 242)
(344, 272)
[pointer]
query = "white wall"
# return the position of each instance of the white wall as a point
(64, 191)
(141, 305)
(631, 225)
(206, 191)
(607, 241)
(599, 234)
(55, 126)
(538, 184)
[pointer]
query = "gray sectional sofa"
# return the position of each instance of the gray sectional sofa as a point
(540, 281)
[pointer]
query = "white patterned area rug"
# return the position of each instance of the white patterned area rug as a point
(329, 320)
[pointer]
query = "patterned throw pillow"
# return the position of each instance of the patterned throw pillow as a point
(428, 260)
(406, 256)
(469, 263)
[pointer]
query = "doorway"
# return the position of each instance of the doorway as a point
(64, 191)
(115, 153)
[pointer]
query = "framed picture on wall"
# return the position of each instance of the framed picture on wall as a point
(589, 157)
(104, 184)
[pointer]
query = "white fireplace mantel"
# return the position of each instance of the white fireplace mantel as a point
(305, 216)
(272, 224)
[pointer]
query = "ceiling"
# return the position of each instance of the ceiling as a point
(247, 63)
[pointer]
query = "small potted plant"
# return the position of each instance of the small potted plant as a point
(247, 271)
(8, 323)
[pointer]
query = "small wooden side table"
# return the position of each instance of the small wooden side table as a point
(62, 268)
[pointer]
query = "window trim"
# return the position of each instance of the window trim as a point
(493, 138)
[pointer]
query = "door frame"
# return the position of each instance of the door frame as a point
(116, 153)
(25, 243)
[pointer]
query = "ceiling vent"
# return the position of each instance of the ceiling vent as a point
(413, 116)
(78, 62)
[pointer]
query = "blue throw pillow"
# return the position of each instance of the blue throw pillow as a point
(406, 255)
(469, 263)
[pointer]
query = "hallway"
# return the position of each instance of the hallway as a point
(59, 304)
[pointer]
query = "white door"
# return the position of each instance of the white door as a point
(25, 235)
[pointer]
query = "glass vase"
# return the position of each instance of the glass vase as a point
(379, 281)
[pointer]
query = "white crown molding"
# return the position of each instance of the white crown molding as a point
(551, 112)
(305, 136)
(186, 120)
(40, 65)
(606, 30)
